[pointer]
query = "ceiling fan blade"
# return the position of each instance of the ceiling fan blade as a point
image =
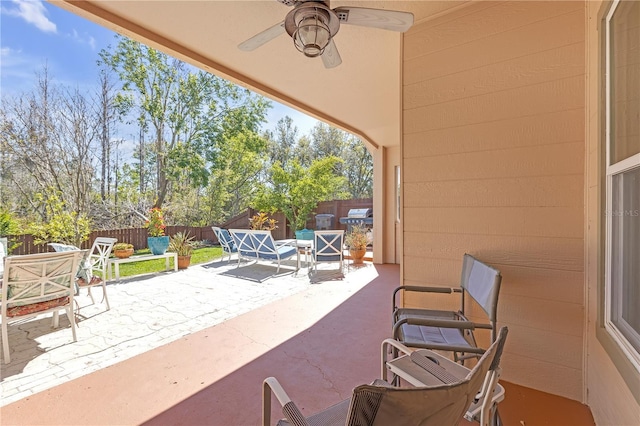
(391, 20)
(330, 57)
(262, 37)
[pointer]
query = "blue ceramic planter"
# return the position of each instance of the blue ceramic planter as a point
(158, 245)
(304, 234)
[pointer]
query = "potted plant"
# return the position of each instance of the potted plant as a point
(261, 221)
(356, 240)
(122, 250)
(182, 244)
(157, 241)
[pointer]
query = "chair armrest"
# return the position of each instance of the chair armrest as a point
(384, 349)
(270, 385)
(421, 289)
(442, 323)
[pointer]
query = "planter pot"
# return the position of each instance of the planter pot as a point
(184, 262)
(123, 254)
(357, 255)
(304, 234)
(158, 245)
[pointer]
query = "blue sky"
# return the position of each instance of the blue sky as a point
(35, 33)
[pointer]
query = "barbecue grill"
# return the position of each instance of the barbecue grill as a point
(358, 217)
(362, 217)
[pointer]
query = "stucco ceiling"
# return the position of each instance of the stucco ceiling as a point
(362, 95)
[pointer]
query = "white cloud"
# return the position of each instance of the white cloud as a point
(87, 39)
(34, 12)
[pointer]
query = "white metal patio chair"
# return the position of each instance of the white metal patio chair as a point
(97, 261)
(226, 241)
(98, 264)
(259, 245)
(328, 247)
(35, 284)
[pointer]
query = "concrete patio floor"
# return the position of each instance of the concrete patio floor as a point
(146, 312)
(320, 338)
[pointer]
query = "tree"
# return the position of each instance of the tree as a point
(60, 224)
(235, 176)
(357, 167)
(187, 112)
(296, 191)
(283, 142)
(48, 138)
(107, 115)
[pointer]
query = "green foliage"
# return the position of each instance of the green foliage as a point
(235, 175)
(200, 152)
(187, 111)
(296, 190)
(181, 243)
(8, 224)
(59, 225)
(201, 255)
(185, 164)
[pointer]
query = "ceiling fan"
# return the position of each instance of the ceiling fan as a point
(313, 24)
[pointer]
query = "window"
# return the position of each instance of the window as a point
(622, 285)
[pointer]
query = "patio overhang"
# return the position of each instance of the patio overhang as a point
(362, 95)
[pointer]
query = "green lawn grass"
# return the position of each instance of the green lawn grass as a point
(200, 255)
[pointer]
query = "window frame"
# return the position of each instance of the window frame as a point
(612, 170)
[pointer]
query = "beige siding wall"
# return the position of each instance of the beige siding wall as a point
(609, 397)
(493, 157)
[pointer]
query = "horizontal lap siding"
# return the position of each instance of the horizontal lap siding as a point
(493, 165)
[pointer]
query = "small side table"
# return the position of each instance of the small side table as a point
(307, 247)
(116, 262)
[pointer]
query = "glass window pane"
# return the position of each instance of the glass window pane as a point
(625, 255)
(625, 81)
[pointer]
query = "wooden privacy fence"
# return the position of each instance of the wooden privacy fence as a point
(338, 208)
(135, 236)
(138, 236)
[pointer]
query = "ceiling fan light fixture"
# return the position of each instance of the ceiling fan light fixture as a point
(312, 34)
(312, 26)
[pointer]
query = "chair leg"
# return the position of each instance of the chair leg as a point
(5, 343)
(56, 321)
(72, 320)
(91, 295)
(104, 294)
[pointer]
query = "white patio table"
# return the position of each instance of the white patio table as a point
(117, 261)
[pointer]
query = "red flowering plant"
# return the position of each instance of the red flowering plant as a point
(155, 224)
